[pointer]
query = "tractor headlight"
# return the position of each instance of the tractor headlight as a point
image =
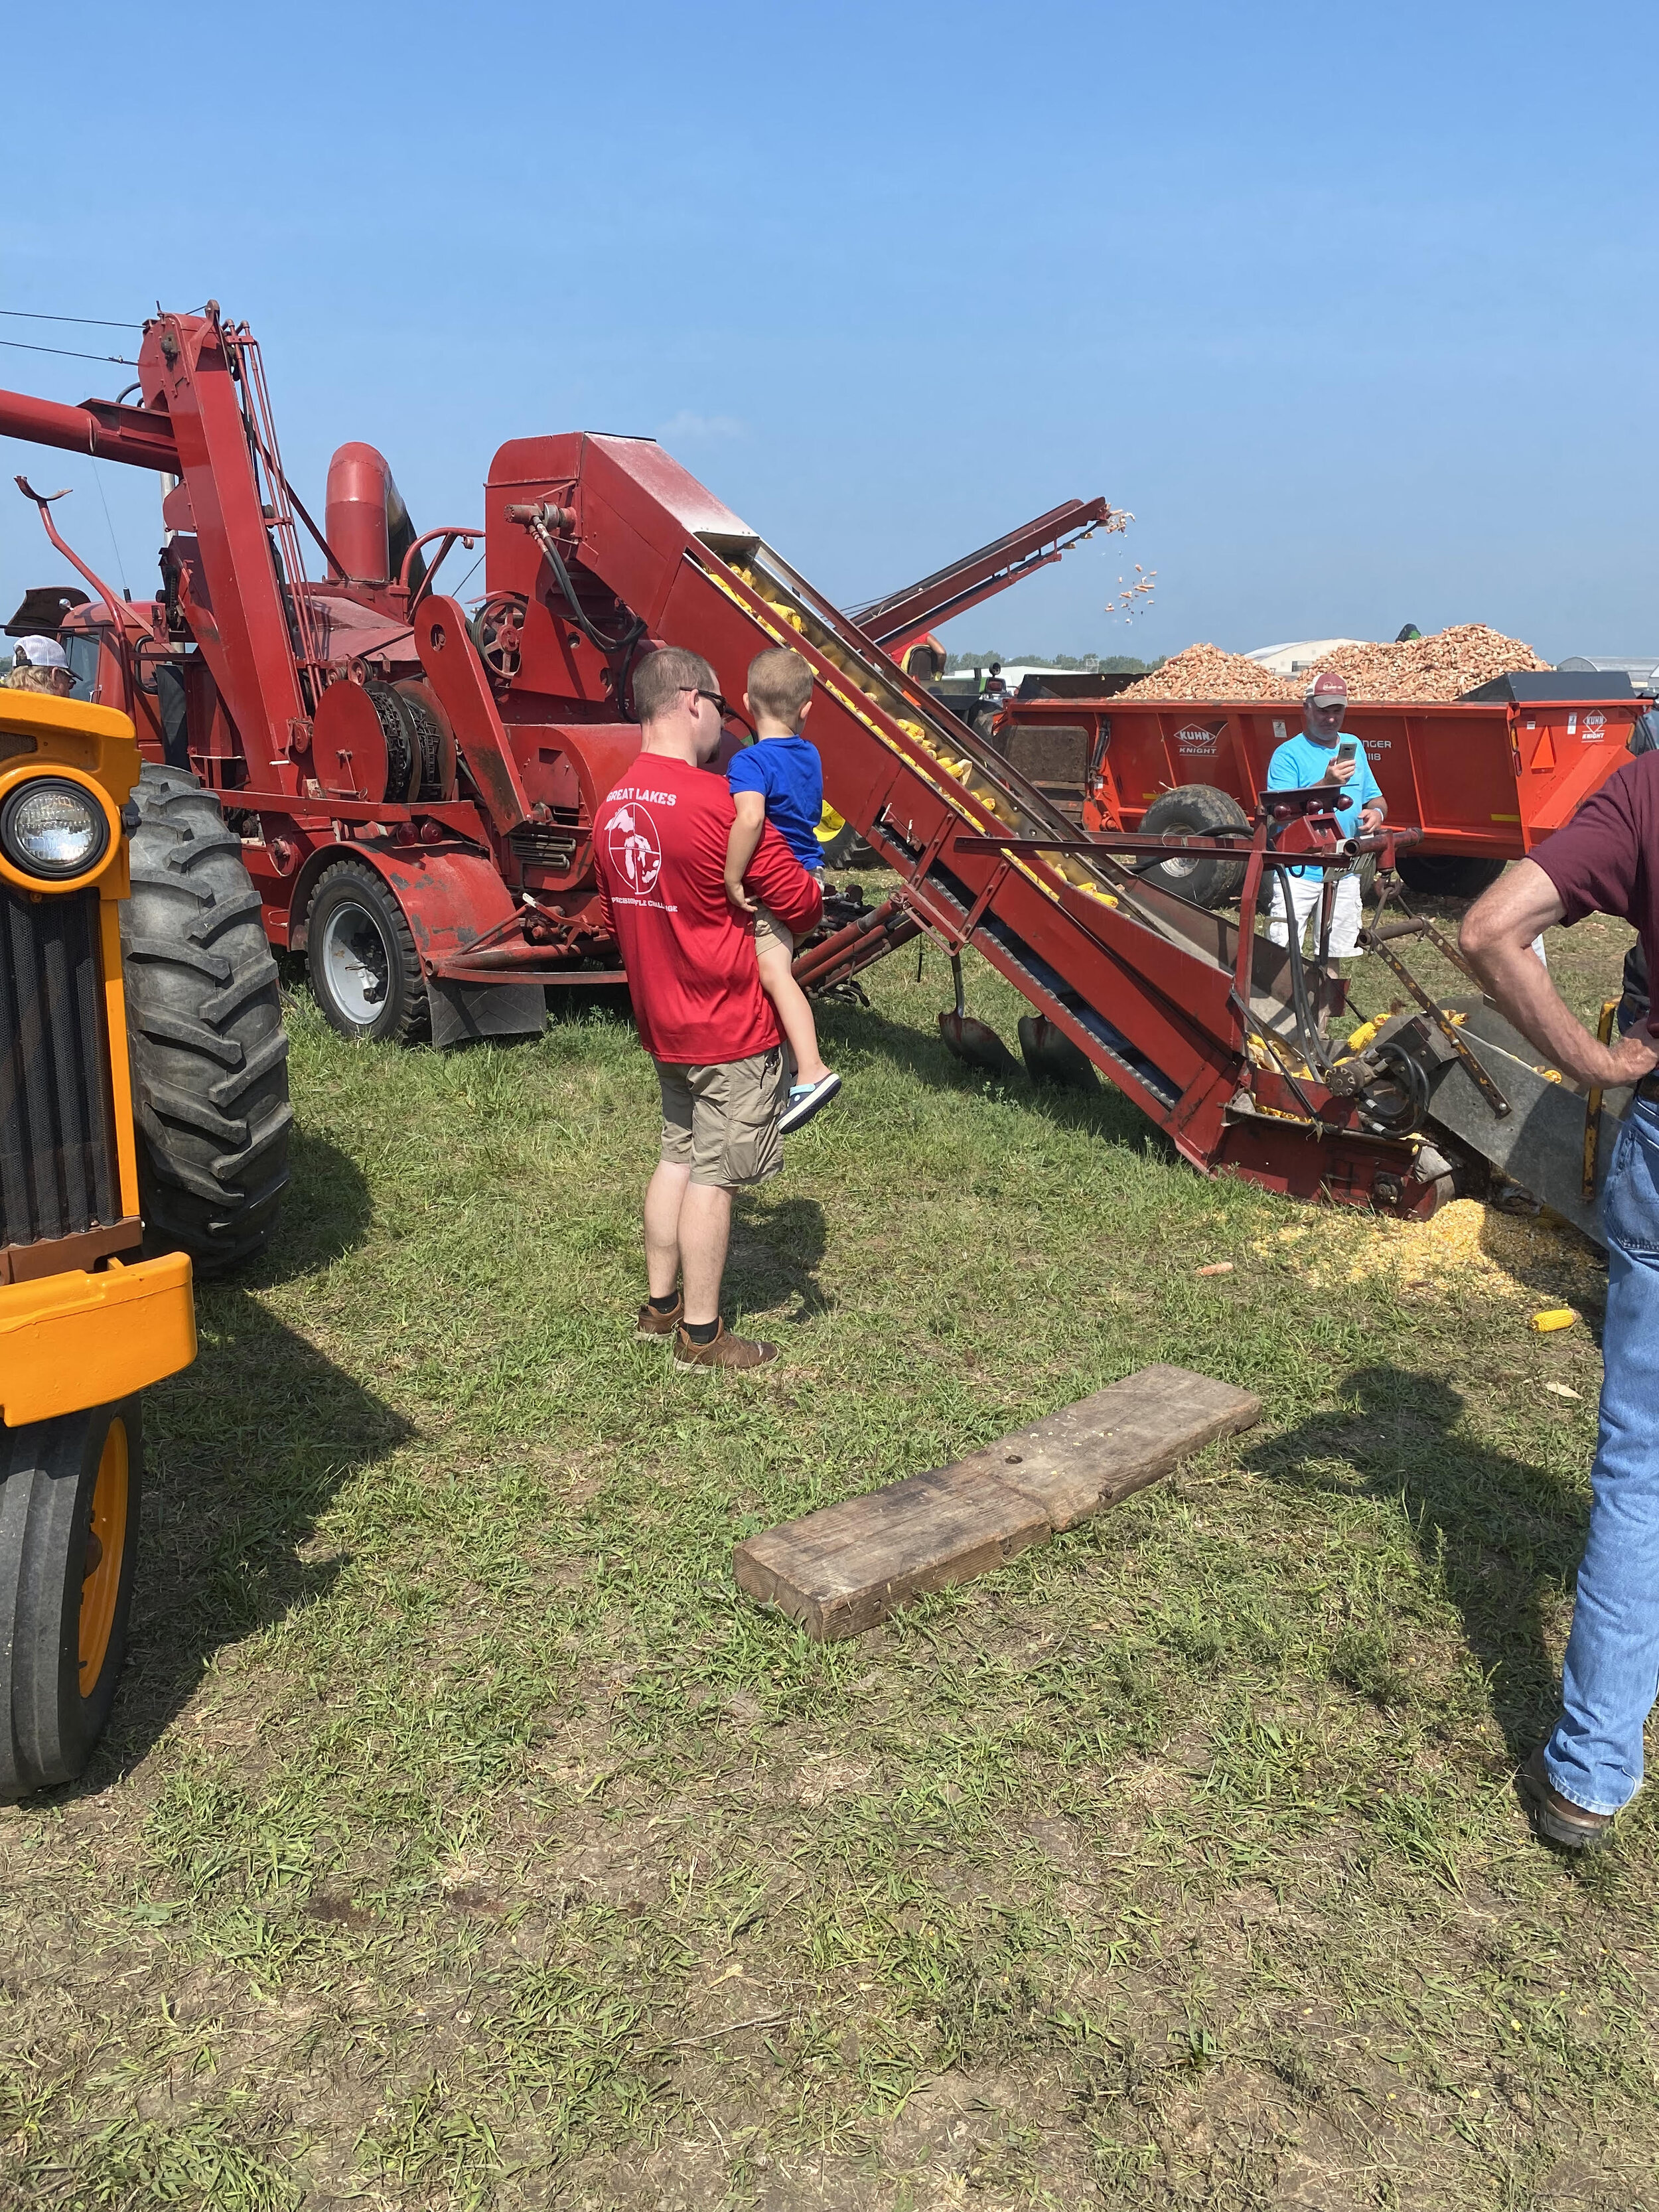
(52, 830)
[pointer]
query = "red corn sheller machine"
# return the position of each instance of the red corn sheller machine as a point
(414, 783)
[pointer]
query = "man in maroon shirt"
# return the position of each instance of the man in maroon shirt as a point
(1605, 861)
(660, 841)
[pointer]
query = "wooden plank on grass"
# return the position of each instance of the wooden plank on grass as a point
(847, 1566)
(1095, 1454)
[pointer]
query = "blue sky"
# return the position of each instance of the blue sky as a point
(1354, 308)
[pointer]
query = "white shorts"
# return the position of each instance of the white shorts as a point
(1305, 905)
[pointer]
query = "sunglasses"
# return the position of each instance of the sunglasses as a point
(1330, 706)
(712, 697)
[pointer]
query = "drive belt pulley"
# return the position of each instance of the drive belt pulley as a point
(426, 741)
(1393, 1102)
(403, 764)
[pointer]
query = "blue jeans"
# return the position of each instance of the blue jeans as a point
(1611, 1676)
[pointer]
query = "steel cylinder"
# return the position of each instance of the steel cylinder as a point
(355, 523)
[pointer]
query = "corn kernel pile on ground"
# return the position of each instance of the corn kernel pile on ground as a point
(1534, 1260)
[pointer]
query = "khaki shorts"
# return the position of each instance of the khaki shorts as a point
(722, 1120)
(769, 930)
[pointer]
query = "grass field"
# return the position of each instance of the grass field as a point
(463, 1840)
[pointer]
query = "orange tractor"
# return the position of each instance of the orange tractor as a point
(144, 1114)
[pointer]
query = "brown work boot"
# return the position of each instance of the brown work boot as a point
(1555, 1815)
(722, 1350)
(655, 1327)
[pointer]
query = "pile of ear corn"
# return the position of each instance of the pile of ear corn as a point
(1444, 666)
(958, 769)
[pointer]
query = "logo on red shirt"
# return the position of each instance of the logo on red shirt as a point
(635, 848)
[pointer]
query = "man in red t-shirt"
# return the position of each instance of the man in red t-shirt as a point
(660, 841)
(1605, 861)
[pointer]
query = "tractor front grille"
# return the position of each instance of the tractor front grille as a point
(57, 1170)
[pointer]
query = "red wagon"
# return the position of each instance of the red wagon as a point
(1485, 781)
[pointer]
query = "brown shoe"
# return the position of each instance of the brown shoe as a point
(1556, 1816)
(722, 1350)
(657, 1327)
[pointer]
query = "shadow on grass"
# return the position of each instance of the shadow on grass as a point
(326, 1212)
(1504, 1538)
(923, 1054)
(775, 1254)
(582, 1002)
(1553, 1260)
(244, 1451)
(572, 1002)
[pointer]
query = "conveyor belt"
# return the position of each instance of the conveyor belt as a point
(1192, 1027)
(1139, 980)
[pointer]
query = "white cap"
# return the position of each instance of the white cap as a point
(40, 652)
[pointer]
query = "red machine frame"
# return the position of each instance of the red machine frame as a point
(1483, 779)
(515, 723)
(904, 617)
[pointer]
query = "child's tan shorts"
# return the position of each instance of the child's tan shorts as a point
(769, 930)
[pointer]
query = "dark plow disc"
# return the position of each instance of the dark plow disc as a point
(976, 1043)
(1051, 1058)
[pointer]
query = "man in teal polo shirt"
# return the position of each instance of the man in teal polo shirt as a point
(1317, 755)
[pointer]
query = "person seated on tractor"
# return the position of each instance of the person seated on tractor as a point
(1320, 754)
(40, 664)
(780, 779)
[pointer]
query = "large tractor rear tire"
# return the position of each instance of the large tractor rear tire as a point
(1447, 875)
(209, 1058)
(1195, 809)
(365, 970)
(70, 1492)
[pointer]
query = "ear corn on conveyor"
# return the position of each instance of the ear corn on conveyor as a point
(1194, 1021)
(1217, 1035)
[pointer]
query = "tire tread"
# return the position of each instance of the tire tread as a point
(210, 1057)
(1200, 808)
(413, 1022)
(48, 1470)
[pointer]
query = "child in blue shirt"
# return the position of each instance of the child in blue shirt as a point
(780, 779)
(1311, 757)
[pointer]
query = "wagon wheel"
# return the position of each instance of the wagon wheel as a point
(497, 630)
(1195, 809)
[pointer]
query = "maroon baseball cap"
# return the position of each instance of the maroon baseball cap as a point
(1329, 689)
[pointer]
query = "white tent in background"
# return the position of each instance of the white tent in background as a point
(1291, 659)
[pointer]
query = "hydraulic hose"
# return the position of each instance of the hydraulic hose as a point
(536, 523)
